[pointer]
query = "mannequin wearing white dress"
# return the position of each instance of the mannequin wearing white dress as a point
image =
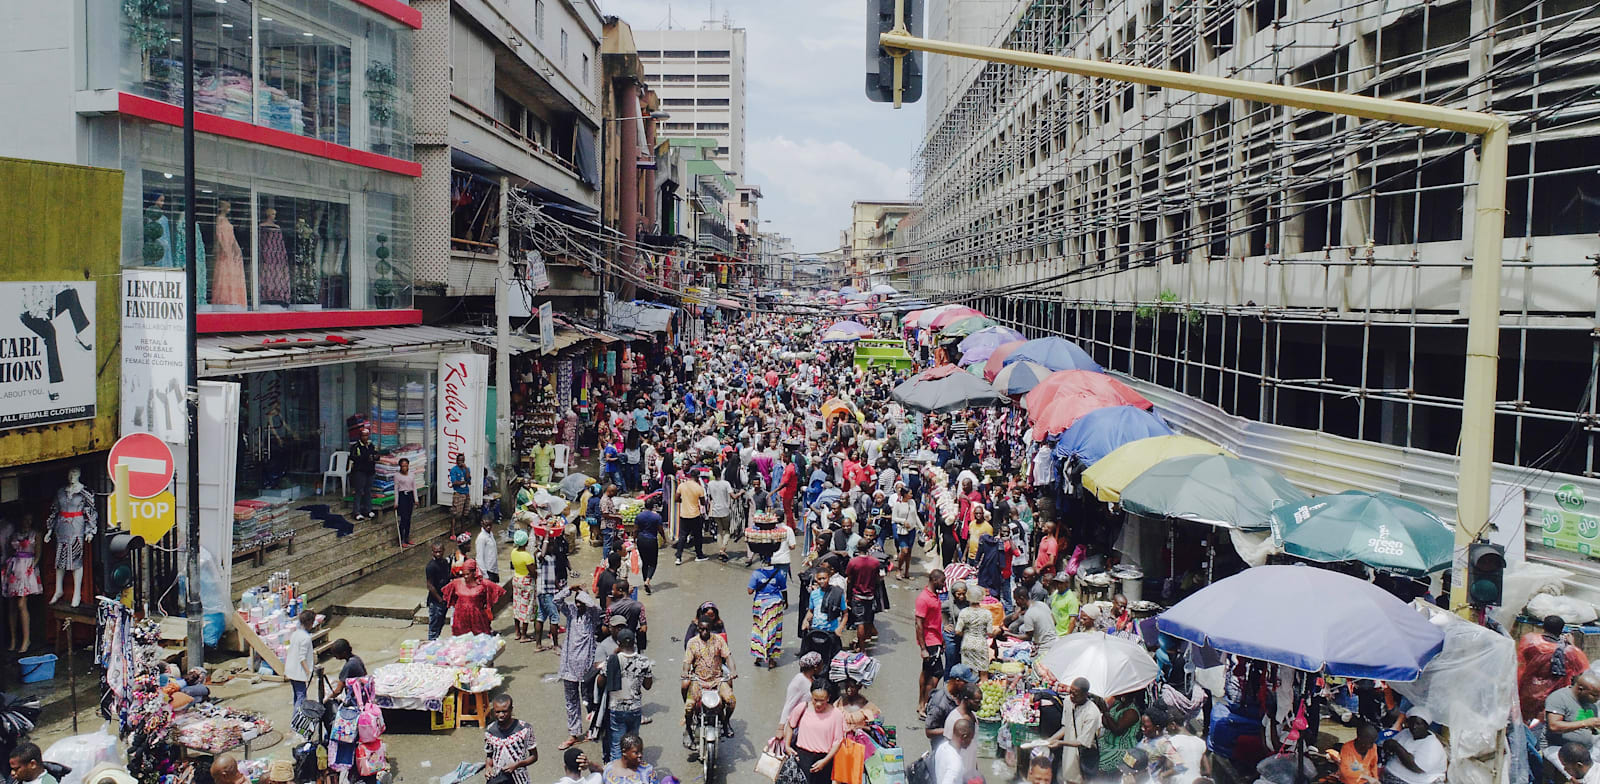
(72, 523)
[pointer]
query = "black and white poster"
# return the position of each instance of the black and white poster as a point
(47, 360)
(154, 353)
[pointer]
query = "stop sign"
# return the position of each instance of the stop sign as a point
(149, 462)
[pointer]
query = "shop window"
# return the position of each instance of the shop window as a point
(223, 55)
(305, 80)
(302, 253)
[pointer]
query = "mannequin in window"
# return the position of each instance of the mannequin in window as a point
(230, 288)
(274, 259)
(72, 523)
(171, 240)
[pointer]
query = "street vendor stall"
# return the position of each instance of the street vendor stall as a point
(432, 675)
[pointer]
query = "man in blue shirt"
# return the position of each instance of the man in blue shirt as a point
(641, 417)
(461, 485)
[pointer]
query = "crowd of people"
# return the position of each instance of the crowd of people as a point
(757, 428)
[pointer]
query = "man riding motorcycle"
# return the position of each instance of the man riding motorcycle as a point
(704, 660)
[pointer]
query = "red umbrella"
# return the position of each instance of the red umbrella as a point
(951, 316)
(1063, 412)
(997, 360)
(1082, 383)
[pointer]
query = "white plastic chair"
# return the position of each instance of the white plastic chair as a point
(338, 468)
(559, 464)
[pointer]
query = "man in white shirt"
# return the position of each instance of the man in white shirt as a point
(719, 494)
(949, 765)
(488, 552)
(1417, 757)
(301, 660)
(1079, 733)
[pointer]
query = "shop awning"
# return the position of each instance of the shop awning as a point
(520, 343)
(641, 316)
(225, 355)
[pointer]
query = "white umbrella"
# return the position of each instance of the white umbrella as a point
(1113, 665)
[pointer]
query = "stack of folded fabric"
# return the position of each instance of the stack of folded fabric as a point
(858, 667)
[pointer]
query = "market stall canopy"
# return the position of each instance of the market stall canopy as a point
(951, 316)
(1097, 433)
(839, 336)
(975, 368)
(856, 295)
(1112, 665)
(1015, 379)
(834, 406)
(1079, 383)
(1218, 490)
(920, 318)
(944, 388)
(979, 345)
(849, 290)
(997, 359)
(1107, 478)
(572, 484)
(885, 290)
(1310, 619)
(965, 326)
(855, 327)
(1055, 353)
(1377, 529)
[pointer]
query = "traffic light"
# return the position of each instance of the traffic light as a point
(880, 64)
(116, 570)
(1486, 573)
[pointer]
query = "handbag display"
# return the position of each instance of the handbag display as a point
(771, 761)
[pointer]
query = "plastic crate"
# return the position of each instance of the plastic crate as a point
(38, 668)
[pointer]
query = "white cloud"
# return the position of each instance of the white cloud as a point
(813, 183)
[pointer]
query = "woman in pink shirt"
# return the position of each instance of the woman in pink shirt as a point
(818, 729)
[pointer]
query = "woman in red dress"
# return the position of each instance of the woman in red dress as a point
(473, 599)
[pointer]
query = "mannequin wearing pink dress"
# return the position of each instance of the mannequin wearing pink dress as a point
(228, 282)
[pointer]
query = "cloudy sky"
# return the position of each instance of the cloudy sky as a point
(814, 143)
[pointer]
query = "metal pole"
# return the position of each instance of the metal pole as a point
(502, 349)
(196, 642)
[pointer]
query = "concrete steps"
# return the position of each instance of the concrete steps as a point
(324, 561)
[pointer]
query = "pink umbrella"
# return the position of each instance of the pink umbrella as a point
(997, 360)
(1082, 383)
(951, 316)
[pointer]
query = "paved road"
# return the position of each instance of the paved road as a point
(531, 680)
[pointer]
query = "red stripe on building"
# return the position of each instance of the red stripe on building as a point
(289, 320)
(168, 114)
(396, 10)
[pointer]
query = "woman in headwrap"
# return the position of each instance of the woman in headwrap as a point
(522, 600)
(768, 585)
(473, 598)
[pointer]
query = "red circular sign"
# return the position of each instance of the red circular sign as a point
(149, 462)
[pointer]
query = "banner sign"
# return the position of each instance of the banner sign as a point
(538, 276)
(547, 328)
(463, 406)
(47, 359)
(155, 353)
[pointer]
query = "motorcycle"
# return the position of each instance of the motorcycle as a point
(705, 728)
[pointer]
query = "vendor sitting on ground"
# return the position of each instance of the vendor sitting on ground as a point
(1358, 759)
(1415, 754)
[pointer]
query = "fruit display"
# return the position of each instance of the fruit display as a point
(994, 695)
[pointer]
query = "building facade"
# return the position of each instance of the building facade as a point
(700, 76)
(631, 113)
(872, 235)
(1285, 266)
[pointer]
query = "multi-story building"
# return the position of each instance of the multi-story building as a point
(700, 76)
(305, 191)
(1286, 266)
(746, 214)
(631, 112)
(505, 89)
(871, 234)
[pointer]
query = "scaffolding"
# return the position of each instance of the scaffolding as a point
(1289, 266)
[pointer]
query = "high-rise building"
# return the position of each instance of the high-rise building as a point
(700, 76)
(1290, 283)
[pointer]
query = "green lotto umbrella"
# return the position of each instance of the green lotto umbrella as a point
(1219, 490)
(1387, 533)
(963, 327)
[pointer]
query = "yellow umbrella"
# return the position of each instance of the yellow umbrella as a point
(838, 406)
(1113, 472)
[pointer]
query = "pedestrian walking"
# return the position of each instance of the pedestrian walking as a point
(363, 466)
(405, 499)
(582, 613)
(691, 510)
(768, 588)
(461, 488)
(437, 576)
(487, 550)
(300, 662)
(628, 674)
(509, 747)
(523, 604)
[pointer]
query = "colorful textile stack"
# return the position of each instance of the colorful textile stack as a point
(856, 666)
(466, 650)
(259, 521)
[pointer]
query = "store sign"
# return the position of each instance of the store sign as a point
(151, 518)
(47, 359)
(463, 406)
(547, 328)
(155, 353)
(538, 277)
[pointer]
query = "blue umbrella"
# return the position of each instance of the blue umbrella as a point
(885, 290)
(1015, 379)
(1056, 354)
(1310, 619)
(1099, 432)
(979, 345)
(849, 290)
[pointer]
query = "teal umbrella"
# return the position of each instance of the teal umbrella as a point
(965, 326)
(1387, 533)
(1219, 490)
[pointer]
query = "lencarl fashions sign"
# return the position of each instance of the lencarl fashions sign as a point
(47, 358)
(155, 353)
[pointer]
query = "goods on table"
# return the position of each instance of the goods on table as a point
(215, 729)
(414, 680)
(465, 650)
(994, 694)
(1014, 650)
(479, 680)
(1020, 709)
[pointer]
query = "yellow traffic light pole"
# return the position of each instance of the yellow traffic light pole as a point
(1488, 228)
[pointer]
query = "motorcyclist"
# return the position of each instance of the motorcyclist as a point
(704, 660)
